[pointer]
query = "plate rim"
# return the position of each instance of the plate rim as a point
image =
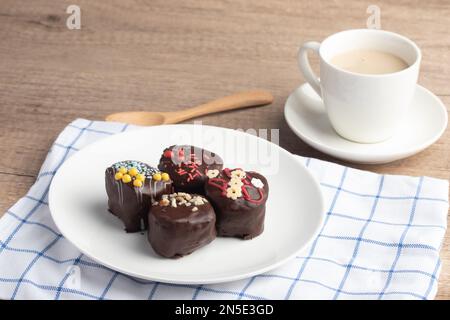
(361, 156)
(216, 279)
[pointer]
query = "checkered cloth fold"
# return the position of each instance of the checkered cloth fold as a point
(380, 240)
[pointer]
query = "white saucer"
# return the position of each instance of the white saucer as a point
(424, 124)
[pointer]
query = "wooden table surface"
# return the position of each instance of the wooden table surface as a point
(168, 55)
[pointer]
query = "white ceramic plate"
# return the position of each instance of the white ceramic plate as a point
(294, 213)
(424, 124)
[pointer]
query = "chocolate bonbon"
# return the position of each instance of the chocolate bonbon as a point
(239, 200)
(180, 223)
(131, 186)
(187, 166)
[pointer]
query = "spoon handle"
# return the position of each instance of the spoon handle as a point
(236, 101)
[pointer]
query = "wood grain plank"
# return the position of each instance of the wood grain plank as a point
(12, 188)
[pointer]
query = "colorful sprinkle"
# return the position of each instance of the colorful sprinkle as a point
(257, 183)
(165, 176)
(237, 187)
(182, 199)
(123, 170)
(157, 177)
(186, 159)
(142, 168)
(137, 183)
(238, 173)
(234, 193)
(126, 178)
(235, 182)
(212, 173)
(133, 172)
(118, 176)
(168, 154)
(164, 202)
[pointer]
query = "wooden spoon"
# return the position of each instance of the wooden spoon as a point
(236, 101)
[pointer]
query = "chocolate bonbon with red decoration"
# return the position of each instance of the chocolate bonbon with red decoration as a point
(187, 166)
(239, 199)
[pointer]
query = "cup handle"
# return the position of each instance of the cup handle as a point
(305, 67)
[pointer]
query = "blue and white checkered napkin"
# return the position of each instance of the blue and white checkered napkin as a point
(381, 240)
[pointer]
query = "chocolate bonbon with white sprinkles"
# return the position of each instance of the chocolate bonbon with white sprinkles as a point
(239, 199)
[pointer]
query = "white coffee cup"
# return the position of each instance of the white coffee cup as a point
(365, 108)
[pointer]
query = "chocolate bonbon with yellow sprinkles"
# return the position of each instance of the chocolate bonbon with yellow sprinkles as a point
(131, 187)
